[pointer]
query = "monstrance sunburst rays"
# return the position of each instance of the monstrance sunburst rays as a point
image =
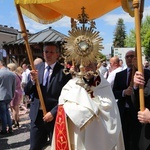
(83, 44)
(82, 47)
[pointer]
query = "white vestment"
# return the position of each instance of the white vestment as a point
(93, 123)
(112, 74)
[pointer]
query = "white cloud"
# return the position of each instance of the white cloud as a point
(111, 19)
(146, 11)
(64, 22)
(34, 26)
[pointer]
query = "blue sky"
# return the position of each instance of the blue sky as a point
(105, 25)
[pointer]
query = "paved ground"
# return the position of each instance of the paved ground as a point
(19, 139)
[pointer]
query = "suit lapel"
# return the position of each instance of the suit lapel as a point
(54, 74)
(123, 78)
(41, 72)
(51, 81)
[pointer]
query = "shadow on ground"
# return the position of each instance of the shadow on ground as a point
(19, 139)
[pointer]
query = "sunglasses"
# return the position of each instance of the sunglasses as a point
(129, 56)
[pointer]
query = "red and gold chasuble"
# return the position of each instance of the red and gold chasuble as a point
(61, 130)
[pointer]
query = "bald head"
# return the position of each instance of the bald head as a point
(129, 58)
(130, 52)
(37, 61)
(114, 62)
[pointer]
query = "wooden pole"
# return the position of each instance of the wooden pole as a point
(139, 52)
(25, 36)
(141, 16)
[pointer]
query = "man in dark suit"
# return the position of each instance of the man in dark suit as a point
(128, 112)
(42, 126)
(143, 115)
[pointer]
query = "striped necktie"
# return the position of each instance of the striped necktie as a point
(47, 76)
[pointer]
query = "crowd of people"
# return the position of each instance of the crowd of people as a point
(12, 97)
(101, 113)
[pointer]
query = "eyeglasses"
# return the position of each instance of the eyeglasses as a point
(129, 56)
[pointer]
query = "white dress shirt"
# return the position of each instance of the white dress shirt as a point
(112, 74)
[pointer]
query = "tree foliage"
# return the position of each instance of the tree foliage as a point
(145, 36)
(146, 44)
(119, 34)
(130, 40)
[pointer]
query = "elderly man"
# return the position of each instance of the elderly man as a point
(92, 115)
(114, 67)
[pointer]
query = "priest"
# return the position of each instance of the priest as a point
(87, 117)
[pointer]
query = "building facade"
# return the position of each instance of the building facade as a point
(15, 49)
(7, 34)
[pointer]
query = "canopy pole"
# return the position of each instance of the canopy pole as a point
(139, 52)
(25, 36)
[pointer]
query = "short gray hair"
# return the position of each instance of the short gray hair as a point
(52, 44)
